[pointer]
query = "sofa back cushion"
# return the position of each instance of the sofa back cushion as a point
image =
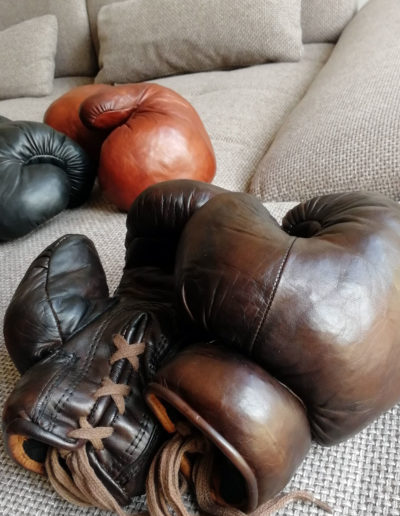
(27, 58)
(93, 7)
(75, 54)
(138, 38)
(324, 20)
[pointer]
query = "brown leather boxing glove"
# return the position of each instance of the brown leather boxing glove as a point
(148, 134)
(316, 302)
(86, 358)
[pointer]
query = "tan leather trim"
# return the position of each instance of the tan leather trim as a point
(16, 447)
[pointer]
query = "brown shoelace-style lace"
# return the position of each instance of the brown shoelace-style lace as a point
(164, 488)
(165, 483)
(84, 487)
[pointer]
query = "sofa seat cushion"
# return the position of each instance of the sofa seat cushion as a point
(344, 134)
(33, 109)
(243, 109)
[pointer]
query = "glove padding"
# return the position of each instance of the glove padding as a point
(316, 303)
(147, 133)
(41, 173)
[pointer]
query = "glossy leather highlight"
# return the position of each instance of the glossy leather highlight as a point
(256, 423)
(41, 172)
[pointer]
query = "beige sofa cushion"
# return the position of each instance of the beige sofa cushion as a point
(324, 20)
(345, 133)
(29, 108)
(138, 38)
(93, 8)
(27, 57)
(243, 109)
(75, 53)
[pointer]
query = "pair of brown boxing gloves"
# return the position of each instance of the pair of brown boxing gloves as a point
(246, 339)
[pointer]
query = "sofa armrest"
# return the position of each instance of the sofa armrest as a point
(345, 133)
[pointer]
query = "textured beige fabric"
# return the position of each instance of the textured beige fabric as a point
(141, 40)
(345, 133)
(324, 20)
(357, 478)
(27, 52)
(93, 8)
(243, 109)
(75, 53)
(28, 108)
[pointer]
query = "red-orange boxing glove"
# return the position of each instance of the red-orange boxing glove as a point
(148, 133)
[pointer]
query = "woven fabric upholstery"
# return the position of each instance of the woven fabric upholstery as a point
(360, 477)
(324, 20)
(75, 53)
(345, 133)
(221, 35)
(243, 109)
(33, 109)
(321, 20)
(27, 57)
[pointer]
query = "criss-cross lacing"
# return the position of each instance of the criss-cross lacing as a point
(85, 488)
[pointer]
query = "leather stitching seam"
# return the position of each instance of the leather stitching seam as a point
(57, 321)
(273, 293)
(79, 375)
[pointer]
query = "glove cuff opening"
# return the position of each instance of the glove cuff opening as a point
(28, 452)
(233, 481)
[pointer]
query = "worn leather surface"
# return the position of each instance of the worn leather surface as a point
(316, 302)
(64, 344)
(254, 420)
(41, 172)
(140, 134)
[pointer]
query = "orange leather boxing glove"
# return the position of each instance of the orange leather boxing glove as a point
(148, 133)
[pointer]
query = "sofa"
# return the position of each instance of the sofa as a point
(284, 131)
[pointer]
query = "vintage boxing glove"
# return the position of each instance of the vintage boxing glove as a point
(149, 134)
(41, 173)
(78, 348)
(254, 431)
(316, 303)
(86, 358)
